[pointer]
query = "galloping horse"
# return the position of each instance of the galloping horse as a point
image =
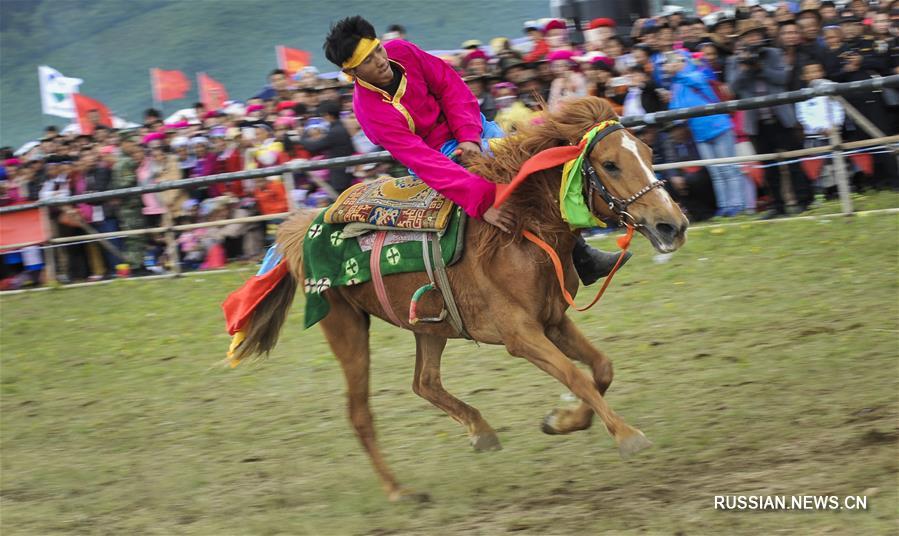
(505, 290)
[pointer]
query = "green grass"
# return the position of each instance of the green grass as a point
(762, 359)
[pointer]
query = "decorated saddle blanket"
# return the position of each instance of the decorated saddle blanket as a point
(332, 259)
(404, 203)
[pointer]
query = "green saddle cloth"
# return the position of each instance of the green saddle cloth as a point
(330, 259)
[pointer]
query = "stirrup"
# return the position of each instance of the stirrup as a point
(413, 307)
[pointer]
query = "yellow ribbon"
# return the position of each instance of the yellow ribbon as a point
(363, 49)
(236, 341)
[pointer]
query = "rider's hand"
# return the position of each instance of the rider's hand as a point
(501, 218)
(467, 150)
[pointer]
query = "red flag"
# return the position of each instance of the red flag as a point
(212, 92)
(23, 227)
(291, 59)
(240, 305)
(703, 8)
(169, 85)
(91, 113)
(812, 168)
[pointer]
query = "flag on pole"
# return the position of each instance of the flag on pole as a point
(169, 85)
(292, 60)
(212, 92)
(91, 113)
(56, 92)
(703, 8)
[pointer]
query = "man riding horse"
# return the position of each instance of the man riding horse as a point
(418, 108)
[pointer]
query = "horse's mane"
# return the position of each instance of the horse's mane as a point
(535, 202)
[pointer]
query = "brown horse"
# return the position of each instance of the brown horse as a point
(505, 289)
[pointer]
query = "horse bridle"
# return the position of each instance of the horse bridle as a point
(593, 185)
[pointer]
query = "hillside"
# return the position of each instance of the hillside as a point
(112, 44)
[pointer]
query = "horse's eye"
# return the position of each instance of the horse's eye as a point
(609, 166)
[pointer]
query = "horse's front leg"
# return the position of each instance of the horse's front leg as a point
(524, 337)
(572, 342)
(427, 384)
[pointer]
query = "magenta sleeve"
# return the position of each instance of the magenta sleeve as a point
(459, 105)
(473, 193)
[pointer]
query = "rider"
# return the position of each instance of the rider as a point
(418, 108)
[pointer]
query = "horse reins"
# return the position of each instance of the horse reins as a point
(558, 155)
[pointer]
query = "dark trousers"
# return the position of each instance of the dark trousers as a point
(110, 225)
(771, 138)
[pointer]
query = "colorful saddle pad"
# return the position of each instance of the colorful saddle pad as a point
(331, 259)
(405, 203)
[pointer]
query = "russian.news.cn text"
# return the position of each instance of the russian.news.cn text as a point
(790, 502)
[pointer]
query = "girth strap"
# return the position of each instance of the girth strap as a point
(376, 277)
(443, 284)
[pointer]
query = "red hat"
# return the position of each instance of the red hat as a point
(153, 136)
(255, 108)
(601, 23)
(555, 24)
(476, 54)
(561, 55)
(286, 105)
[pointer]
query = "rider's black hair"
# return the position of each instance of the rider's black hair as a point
(343, 38)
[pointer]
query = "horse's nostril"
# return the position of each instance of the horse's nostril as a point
(666, 230)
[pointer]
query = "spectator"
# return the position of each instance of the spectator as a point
(337, 142)
(819, 117)
(478, 86)
(643, 96)
(568, 82)
(757, 70)
(394, 31)
(127, 210)
(539, 46)
(713, 134)
(690, 186)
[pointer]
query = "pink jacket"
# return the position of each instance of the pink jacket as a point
(431, 106)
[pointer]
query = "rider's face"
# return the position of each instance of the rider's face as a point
(375, 69)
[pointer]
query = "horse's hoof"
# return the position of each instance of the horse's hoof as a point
(550, 422)
(554, 422)
(408, 496)
(633, 444)
(485, 442)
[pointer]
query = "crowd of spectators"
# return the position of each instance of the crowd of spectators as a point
(669, 61)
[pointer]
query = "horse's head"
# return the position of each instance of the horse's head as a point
(625, 187)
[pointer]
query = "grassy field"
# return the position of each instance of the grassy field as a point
(760, 360)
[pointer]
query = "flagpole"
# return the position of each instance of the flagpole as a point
(156, 102)
(200, 89)
(278, 56)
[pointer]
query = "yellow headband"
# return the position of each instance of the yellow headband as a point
(363, 49)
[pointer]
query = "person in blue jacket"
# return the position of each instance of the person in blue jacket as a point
(713, 134)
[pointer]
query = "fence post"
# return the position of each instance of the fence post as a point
(839, 163)
(171, 244)
(48, 253)
(289, 185)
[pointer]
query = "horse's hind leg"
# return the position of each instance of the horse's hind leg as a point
(524, 337)
(346, 329)
(572, 342)
(427, 384)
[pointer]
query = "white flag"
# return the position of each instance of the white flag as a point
(56, 92)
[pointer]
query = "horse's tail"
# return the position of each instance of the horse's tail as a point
(268, 318)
